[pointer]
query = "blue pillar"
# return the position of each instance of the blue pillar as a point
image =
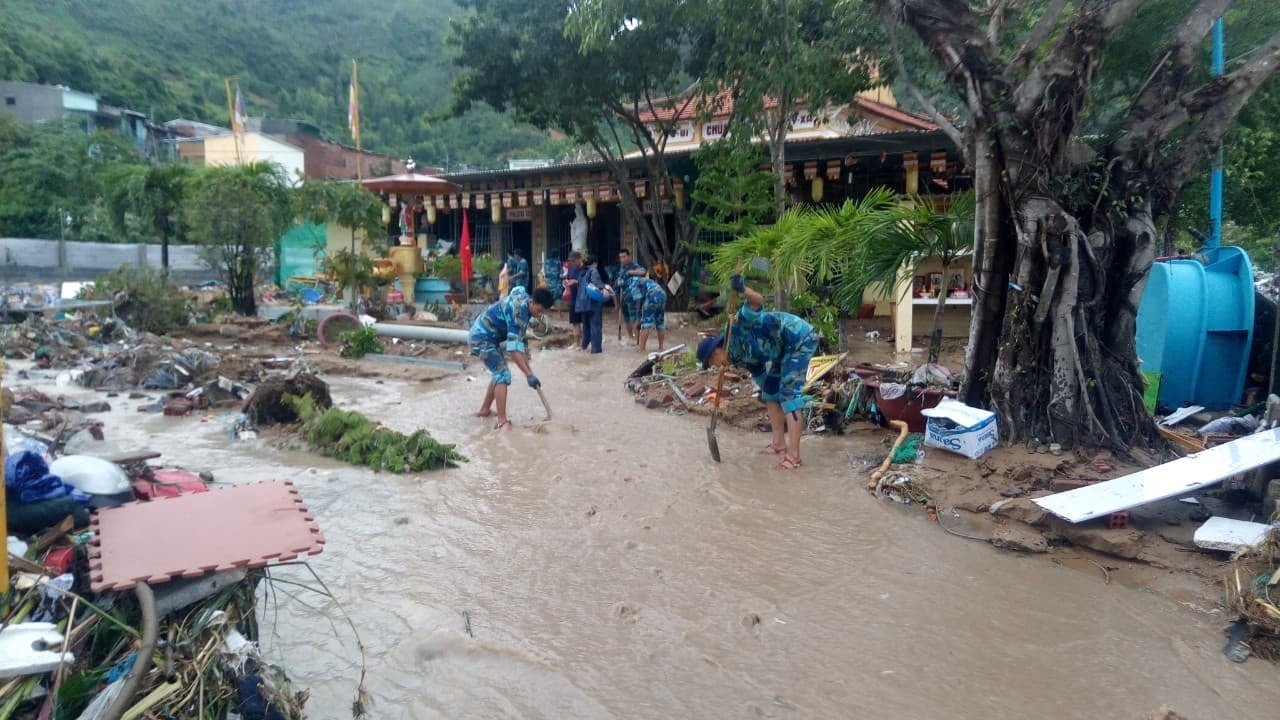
(1216, 177)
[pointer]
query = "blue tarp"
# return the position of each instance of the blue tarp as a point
(27, 478)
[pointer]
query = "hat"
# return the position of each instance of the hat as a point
(706, 346)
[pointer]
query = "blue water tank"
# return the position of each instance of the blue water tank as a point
(1195, 327)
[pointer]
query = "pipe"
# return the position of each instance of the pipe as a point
(1216, 179)
(147, 648)
(421, 332)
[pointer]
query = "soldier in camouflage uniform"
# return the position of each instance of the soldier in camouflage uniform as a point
(775, 347)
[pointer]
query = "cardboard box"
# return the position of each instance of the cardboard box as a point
(965, 430)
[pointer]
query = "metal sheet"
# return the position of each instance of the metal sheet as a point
(1172, 479)
(246, 526)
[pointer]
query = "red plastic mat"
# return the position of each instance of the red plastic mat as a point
(187, 536)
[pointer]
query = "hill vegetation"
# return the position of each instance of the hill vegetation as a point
(293, 58)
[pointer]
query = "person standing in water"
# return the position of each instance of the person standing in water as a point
(775, 347)
(505, 323)
(653, 312)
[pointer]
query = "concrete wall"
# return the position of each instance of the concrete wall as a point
(255, 147)
(23, 260)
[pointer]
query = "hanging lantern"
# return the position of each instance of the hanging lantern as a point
(495, 212)
(431, 213)
(815, 189)
(394, 200)
(591, 208)
(677, 190)
(386, 214)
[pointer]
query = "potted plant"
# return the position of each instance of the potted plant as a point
(348, 269)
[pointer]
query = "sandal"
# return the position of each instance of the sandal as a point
(772, 449)
(788, 464)
(503, 424)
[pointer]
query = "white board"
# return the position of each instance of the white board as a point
(1219, 533)
(1172, 479)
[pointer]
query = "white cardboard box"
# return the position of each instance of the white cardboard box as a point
(965, 430)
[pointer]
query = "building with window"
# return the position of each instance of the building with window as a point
(32, 103)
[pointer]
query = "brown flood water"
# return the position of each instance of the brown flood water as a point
(611, 570)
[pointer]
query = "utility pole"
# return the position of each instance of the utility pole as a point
(1216, 176)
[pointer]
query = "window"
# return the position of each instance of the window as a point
(11, 101)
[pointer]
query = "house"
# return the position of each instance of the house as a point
(838, 154)
(32, 103)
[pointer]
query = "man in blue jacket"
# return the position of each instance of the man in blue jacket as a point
(629, 291)
(775, 347)
(505, 323)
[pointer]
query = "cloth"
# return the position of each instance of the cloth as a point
(583, 303)
(27, 478)
(593, 328)
(653, 311)
(572, 273)
(775, 347)
(630, 290)
(504, 321)
(518, 270)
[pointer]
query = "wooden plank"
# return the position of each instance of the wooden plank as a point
(1172, 479)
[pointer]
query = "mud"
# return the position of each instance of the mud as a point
(602, 566)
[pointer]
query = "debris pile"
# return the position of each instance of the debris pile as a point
(1252, 585)
(672, 380)
(74, 645)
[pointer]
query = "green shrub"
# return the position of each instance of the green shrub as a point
(353, 438)
(358, 343)
(144, 298)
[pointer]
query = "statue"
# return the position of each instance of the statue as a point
(578, 229)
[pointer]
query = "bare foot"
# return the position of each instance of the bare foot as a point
(502, 424)
(485, 413)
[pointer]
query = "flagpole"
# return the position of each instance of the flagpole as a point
(231, 113)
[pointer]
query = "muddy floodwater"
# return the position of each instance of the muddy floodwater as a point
(609, 569)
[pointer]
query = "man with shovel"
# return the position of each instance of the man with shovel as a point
(775, 347)
(505, 323)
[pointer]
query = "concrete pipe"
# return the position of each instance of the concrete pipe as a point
(421, 332)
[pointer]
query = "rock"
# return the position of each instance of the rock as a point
(1129, 544)
(229, 331)
(137, 396)
(653, 403)
(96, 407)
(1019, 539)
(17, 415)
(206, 476)
(1020, 509)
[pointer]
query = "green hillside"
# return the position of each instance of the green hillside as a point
(293, 58)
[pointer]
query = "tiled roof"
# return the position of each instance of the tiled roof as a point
(690, 107)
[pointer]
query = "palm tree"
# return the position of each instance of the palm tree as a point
(854, 245)
(897, 239)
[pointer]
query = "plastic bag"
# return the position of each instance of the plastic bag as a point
(90, 474)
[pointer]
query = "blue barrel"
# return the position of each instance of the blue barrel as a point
(431, 291)
(1195, 327)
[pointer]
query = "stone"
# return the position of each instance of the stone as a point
(96, 407)
(1019, 539)
(1020, 509)
(17, 415)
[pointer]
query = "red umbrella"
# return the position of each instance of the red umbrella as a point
(411, 184)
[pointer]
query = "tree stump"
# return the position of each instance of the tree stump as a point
(267, 406)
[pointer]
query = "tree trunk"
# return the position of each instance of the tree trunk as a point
(1066, 371)
(992, 244)
(164, 253)
(935, 337)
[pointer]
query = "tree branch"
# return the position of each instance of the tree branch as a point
(1217, 102)
(1175, 63)
(997, 10)
(1039, 33)
(957, 137)
(1069, 68)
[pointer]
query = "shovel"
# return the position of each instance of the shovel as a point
(712, 444)
(545, 406)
